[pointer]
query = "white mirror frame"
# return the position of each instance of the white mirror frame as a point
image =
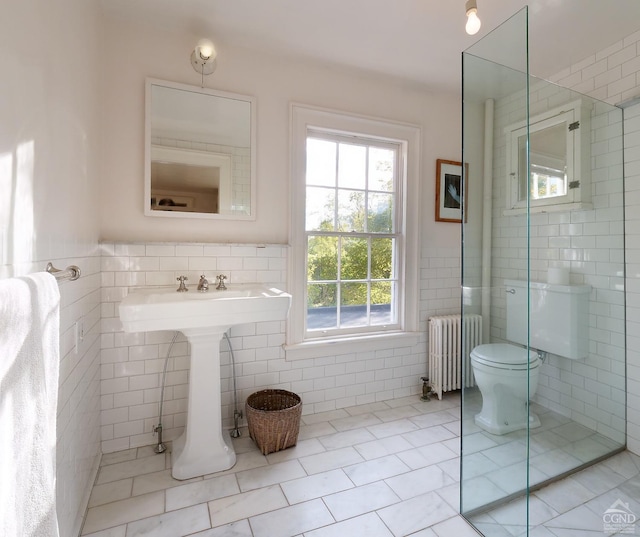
(153, 149)
(578, 159)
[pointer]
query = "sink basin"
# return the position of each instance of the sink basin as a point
(165, 309)
(204, 448)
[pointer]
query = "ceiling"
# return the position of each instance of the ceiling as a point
(419, 41)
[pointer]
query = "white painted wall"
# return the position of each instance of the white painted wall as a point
(49, 138)
(132, 255)
(133, 53)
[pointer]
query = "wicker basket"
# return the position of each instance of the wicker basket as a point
(274, 419)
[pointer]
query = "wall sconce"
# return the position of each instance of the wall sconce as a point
(203, 57)
(473, 22)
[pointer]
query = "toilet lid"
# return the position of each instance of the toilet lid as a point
(503, 353)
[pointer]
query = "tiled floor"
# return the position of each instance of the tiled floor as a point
(380, 470)
(496, 466)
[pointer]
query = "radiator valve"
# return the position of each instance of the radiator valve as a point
(426, 389)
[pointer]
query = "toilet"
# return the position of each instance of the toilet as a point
(507, 373)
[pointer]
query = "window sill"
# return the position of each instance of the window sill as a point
(330, 347)
(579, 206)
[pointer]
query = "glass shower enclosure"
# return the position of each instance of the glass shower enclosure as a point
(543, 268)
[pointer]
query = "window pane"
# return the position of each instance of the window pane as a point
(381, 300)
(353, 304)
(321, 162)
(355, 259)
(322, 258)
(381, 166)
(320, 209)
(352, 166)
(381, 259)
(380, 214)
(350, 210)
(322, 312)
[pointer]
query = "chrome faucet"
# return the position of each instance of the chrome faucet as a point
(182, 288)
(203, 284)
(221, 286)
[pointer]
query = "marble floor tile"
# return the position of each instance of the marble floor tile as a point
(355, 422)
(310, 419)
(382, 447)
(314, 430)
(457, 526)
(269, 475)
(291, 521)
(400, 412)
(434, 418)
(367, 408)
(346, 438)
(431, 435)
(376, 469)
(322, 462)
(415, 514)
(131, 468)
(316, 486)
(245, 505)
(303, 448)
(234, 529)
(515, 513)
(201, 492)
(119, 456)
(424, 456)
(358, 501)
(111, 492)
(392, 428)
(380, 469)
(163, 480)
(245, 461)
(369, 525)
(123, 511)
(118, 531)
(565, 495)
(175, 524)
(419, 482)
(579, 519)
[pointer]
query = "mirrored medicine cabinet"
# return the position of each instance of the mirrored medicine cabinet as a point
(200, 147)
(559, 167)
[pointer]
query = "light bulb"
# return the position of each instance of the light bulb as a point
(473, 22)
(205, 49)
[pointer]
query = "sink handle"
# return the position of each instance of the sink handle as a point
(182, 288)
(221, 278)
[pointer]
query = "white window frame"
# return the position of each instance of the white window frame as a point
(407, 136)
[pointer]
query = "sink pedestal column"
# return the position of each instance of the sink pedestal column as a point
(202, 448)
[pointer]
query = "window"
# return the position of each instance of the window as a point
(354, 249)
(352, 242)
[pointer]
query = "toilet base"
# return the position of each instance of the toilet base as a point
(493, 427)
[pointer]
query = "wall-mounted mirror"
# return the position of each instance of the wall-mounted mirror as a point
(199, 152)
(556, 154)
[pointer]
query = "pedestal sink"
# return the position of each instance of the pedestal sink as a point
(203, 318)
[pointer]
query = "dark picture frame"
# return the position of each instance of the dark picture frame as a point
(449, 192)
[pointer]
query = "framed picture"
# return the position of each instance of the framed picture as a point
(449, 191)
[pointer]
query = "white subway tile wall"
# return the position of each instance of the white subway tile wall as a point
(78, 415)
(613, 75)
(590, 243)
(132, 363)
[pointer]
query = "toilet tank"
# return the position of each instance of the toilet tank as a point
(559, 317)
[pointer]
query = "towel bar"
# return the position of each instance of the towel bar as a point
(71, 273)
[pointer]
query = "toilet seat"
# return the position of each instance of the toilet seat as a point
(505, 356)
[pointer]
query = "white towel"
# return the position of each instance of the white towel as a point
(29, 365)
